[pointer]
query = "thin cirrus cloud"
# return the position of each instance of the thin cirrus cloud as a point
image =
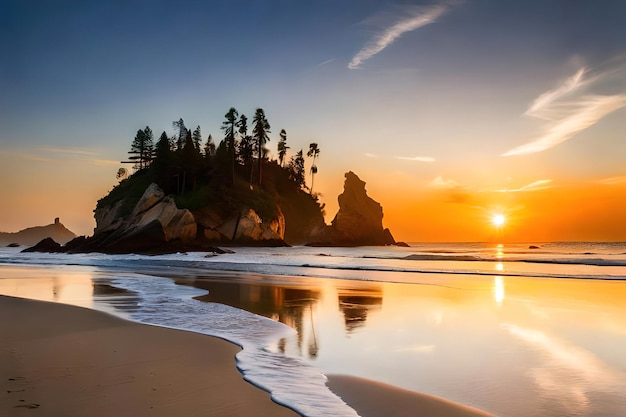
(416, 158)
(569, 111)
(533, 186)
(404, 158)
(417, 18)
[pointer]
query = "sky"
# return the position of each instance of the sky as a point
(451, 111)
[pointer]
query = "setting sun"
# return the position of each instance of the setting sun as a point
(498, 220)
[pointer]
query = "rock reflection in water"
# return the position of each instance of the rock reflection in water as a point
(355, 304)
(288, 305)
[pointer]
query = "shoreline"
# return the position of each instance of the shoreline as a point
(68, 361)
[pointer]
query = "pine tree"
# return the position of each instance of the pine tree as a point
(282, 147)
(260, 134)
(296, 168)
(197, 138)
(209, 147)
(141, 149)
(228, 127)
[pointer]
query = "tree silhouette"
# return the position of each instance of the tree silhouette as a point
(141, 149)
(180, 128)
(314, 152)
(196, 136)
(209, 147)
(228, 127)
(282, 147)
(246, 145)
(296, 168)
(164, 164)
(260, 134)
(122, 173)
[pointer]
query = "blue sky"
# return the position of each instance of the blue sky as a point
(418, 98)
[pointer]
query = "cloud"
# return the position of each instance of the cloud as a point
(371, 155)
(417, 18)
(612, 180)
(416, 158)
(569, 111)
(533, 186)
(328, 61)
(441, 183)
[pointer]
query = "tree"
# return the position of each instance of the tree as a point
(282, 147)
(260, 134)
(296, 168)
(164, 164)
(228, 127)
(180, 128)
(197, 138)
(314, 152)
(246, 145)
(209, 147)
(141, 149)
(122, 173)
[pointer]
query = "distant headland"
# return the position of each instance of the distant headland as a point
(31, 235)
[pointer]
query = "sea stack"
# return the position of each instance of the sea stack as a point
(359, 221)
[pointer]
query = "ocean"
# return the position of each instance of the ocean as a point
(513, 329)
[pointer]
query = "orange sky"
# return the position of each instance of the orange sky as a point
(449, 111)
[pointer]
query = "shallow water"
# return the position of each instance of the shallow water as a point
(512, 345)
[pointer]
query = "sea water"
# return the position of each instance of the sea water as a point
(515, 330)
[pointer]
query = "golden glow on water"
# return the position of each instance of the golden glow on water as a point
(500, 251)
(58, 284)
(472, 339)
(498, 289)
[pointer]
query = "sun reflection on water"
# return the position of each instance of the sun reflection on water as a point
(498, 289)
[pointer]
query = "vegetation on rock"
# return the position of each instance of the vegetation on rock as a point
(236, 174)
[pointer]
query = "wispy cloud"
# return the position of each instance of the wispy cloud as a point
(413, 18)
(416, 158)
(441, 183)
(60, 153)
(67, 151)
(533, 186)
(404, 158)
(328, 61)
(569, 111)
(612, 180)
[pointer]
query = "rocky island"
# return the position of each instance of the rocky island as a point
(183, 198)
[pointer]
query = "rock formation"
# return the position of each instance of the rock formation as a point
(359, 221)
(156, 225)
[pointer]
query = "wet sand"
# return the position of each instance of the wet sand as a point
(59, 360)
(375, 399)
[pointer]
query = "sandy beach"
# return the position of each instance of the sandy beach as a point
(68, 361)
(71, 361)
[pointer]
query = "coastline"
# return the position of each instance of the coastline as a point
(68, 361)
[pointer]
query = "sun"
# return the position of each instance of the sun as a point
(498, 220)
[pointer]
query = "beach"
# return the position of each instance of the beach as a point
(326, 332)
(71, 361)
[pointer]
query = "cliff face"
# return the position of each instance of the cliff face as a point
(359, 221)
(156, 223)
